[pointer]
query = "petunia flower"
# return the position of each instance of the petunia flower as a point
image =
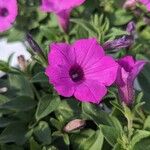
(62, 9)
(127, 72)
(8, 13)
(146, 3)
(81, 70)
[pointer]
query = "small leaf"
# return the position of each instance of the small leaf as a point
(110, 133)
(139, 97)
(86, 25)
(40, 77)
(14, 132)
(147, 123)
(6, 121)
(87, 140)
(21, 84)
(143, 144)
(34, 145)
(43, 133)
(11, 147)
(116, 105)
(138, 136)
(21, 103)
(47, 105)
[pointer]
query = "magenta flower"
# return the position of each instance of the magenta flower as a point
(8, 13)
(127, 72)
(62, 9)
(81, 69)
(146, 3)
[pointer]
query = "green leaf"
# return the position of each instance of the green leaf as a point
(111, 134)
(21, 84)
(86, 25)
(15, 35)
(143, 144)
(14, 132)
(4, 66)
(95, 142)
(122, 17)
(67, 110)
(139, 98)
(94, 113)
(87, 140)
(3, 99)
(66, 139)
(21, 103)
(117, 106)
(43, 133)
(46, 105)
(116, 32)
(6, 121)
(11, 147)
(117, 147)
(138, 136)
(34, 145)
(147, 123)
(144, 82)
(39, 77)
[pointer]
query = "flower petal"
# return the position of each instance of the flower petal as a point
(127, 63)
(12, 8)
(59, 5)
(59, 77)
(137, 68)
(67, 4)
(126, 92)
(63, 18)
(90, 91)
(60, 53)
(104, 71)
(87, 51)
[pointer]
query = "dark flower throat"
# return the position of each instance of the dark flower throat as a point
(4, 12)
(76, 73)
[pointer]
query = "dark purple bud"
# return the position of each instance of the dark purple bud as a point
(131, 28)
(33, 44)
(117, 44)
(123, 42)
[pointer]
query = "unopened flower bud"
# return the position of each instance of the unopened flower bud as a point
(130, 4)
(22, 63)
(122, 42)
(131, 28)
(3, 90)
(117, 44)
(33, 44)
(74, 124)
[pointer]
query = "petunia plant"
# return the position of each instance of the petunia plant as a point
(86, 86)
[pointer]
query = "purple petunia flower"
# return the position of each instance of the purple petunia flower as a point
(146, 3)
(81, 69)
(62, 9)
(127, 72)
(8, 13)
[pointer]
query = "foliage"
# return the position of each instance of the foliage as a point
(33, 115)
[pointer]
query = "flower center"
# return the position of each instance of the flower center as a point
(4, 12)
(76, 73)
